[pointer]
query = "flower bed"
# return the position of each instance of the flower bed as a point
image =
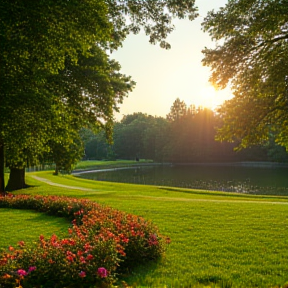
(102, 243)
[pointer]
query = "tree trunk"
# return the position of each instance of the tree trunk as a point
(2, 180)
(56, 172)
(16, 179)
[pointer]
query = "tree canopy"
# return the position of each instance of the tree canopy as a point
(251, 55)
(55, 56)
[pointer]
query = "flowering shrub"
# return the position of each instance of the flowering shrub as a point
(102, 242)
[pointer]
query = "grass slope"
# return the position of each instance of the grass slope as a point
(24, 225)
(236, 240)
(95, 164)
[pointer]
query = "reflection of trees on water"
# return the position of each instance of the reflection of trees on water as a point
(160, 177)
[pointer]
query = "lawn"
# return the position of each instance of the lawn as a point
(95, 164)
(27, 225)
(230, 239)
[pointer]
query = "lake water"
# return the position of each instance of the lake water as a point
(264, 180)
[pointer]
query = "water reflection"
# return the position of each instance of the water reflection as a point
(252, 180)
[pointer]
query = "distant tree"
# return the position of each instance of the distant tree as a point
(97, 147)
(177, 110)
(86, 135)
(128, 138)
(65, 144)
(155, 138)
(251, 55)
(67, 153)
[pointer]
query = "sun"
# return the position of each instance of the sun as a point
(208, 97)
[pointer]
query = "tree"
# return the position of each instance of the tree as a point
(2, 162)
(177, 111)
(35, 40)
(76, 101)
(67, 153)
(43, 43)
(253, 57)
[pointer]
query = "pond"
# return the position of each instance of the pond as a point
(264, 179)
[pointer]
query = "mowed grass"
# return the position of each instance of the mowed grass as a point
(230, 239)
(24, 225)
(94, 164)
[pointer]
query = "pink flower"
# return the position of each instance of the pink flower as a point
(82, 274)
(102, 272)
(153, 240)
(32, 268)
(22, 272)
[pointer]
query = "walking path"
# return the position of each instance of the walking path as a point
(59, 185)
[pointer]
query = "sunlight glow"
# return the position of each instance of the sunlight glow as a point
(208, 97)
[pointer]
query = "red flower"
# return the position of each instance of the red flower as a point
(6, 276)
(89, 257)
(82, 259)
(21, 243)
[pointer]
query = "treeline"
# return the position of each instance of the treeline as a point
(187, 135)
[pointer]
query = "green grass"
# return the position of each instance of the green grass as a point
(233, 239)
(94, 164)
(24, 225)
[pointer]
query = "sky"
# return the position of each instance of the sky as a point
(162, 75)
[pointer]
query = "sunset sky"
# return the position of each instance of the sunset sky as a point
(163, 75)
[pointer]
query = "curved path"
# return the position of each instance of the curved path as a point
(59, 185)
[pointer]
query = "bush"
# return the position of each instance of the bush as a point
(102, 242)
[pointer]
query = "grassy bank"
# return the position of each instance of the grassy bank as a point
(231, 239)
(27, 225)
(95, 164)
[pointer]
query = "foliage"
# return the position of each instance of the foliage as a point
(252, 56)
(190, 137)
(154, 17)
(55, 53)
(102, 241)
(178, 110)
(65, 150)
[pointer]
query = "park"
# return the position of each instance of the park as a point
(61, 91)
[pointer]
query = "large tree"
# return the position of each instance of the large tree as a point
(251, 55)
(42, 40)
(77, 96)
